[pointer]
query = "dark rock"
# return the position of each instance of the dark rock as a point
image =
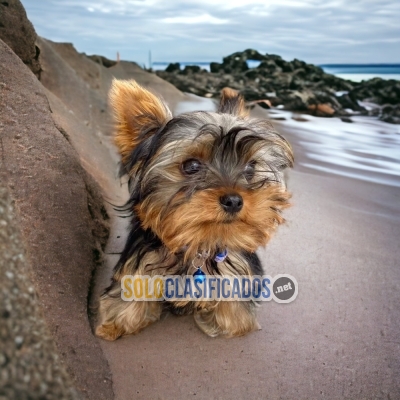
(294, 84)
(284, 65)
(236, 62)
(334, 83)
(252, 74)
(374, 112)
(377, 90)
(173, 67)
(191, 69)
(241, 57)
(251, 54)
(216, 67)
(191, 83)
(325, 97)
(292, 100)
(347, 119)
(346, 102)
(268, 65)
(250, 93)
(390, 114)
(299, 118)
(18, 33)
(278, 118)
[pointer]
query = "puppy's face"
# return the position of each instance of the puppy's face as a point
(201, 181)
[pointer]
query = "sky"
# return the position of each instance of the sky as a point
(320, 32)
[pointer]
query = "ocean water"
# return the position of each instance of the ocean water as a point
(367, 149)
(353, 72)
(359, 72)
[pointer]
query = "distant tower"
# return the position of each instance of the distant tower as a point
(150, 63)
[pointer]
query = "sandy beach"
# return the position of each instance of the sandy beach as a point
(59, 170)
(338, 339)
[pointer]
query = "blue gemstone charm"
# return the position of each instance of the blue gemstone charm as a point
(219, 257)
(199, 276)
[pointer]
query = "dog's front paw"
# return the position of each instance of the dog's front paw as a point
(228, 319)
(179, 311)
(109, 332)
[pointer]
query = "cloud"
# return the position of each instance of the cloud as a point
(181, 30)
(195, 19)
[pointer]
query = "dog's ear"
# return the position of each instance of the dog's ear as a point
(137, 113)
(232, 103)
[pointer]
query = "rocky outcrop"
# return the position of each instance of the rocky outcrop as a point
(378, 91)
(18, 33)
(294, 85)
(29, 364)
(61, 217)
(390, 113)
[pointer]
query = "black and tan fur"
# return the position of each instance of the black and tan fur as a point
(176, 215)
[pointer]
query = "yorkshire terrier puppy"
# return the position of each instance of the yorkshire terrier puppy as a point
(200, 183)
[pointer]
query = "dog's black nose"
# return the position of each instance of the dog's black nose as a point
(231, 203)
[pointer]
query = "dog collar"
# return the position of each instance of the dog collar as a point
(220, 257)
(200, 259)
(198, 263)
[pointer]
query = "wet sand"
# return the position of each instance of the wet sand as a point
(338, 339)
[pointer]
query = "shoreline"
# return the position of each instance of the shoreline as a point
(351, 72)
(365, 149)
(295, 85)
(362, 148)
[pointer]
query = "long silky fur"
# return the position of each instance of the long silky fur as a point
(173, 216)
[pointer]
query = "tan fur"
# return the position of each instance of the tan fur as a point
(195, 222)
(201, 224)
(134, 107)
(119, 318)
(228, 319)
(231, 95)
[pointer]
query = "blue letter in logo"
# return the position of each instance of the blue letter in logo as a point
(265, 283)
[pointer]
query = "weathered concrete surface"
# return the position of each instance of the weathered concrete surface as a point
(59, 209)
(29, 364)
(19, 34)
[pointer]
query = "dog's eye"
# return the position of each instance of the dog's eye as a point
(249, 170)
(191, 166)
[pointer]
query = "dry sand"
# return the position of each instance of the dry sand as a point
(338, 339)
